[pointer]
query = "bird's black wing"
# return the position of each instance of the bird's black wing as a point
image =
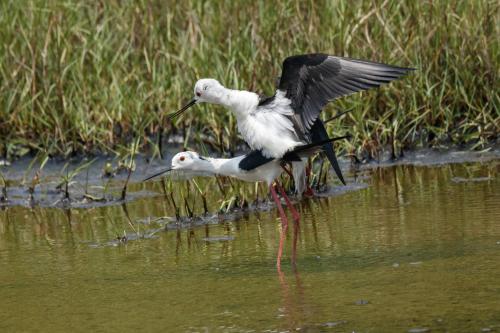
(310, 81)
(253, 159)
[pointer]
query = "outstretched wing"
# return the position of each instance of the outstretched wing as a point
(310, 81)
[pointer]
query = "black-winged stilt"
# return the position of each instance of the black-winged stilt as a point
(289, 118)
(237, 167)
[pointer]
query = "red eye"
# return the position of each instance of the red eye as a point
(182, 158)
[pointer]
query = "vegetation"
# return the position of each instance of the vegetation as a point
(95, 76)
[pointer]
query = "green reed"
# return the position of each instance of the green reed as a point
(90, 76)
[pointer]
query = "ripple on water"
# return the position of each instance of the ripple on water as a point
(419, 330)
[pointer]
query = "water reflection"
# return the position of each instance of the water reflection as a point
(422, 241)
(293, 300)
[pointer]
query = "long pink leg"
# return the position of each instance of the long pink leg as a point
(296, 217)
(284, 223)
(294, 244)
(287, 171)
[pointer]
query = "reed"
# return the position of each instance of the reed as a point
(90, 76)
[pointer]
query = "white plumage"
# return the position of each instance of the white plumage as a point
(265, 127)
(192, 161)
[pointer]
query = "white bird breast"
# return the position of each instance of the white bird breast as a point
(265, 173)
(268, 128)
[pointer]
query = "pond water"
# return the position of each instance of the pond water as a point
(416, 250)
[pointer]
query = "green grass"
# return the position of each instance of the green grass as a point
(93, 76)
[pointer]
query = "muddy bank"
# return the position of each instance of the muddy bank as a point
(66, 184)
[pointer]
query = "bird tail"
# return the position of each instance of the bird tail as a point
(318, 133)
(309, 149)
(297, 157)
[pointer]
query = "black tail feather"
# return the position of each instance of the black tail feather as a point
(306, 150)
(318, 133)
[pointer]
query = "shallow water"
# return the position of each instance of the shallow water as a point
(416, 250)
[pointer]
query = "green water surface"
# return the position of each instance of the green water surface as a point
(418, 249)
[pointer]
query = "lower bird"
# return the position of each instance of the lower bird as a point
(267, 172)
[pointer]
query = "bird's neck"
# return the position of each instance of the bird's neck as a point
(241, 102)
(220, 166)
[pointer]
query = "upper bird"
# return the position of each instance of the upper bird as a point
(289, 118)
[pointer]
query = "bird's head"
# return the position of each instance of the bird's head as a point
(205, 90)
(188, 161)
(208, 90)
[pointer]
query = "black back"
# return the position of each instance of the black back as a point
(253, 159)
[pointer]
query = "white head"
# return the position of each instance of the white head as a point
(188, 161)
(208, 90)
(205, 90)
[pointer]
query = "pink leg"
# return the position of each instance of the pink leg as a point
(294, 244)
(287, 171)
(296, 217)
(284, 223)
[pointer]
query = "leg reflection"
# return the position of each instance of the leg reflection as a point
(292, 309)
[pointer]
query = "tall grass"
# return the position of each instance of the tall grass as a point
(87, 76)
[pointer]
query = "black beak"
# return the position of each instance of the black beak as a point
(184, 108)
(157, 174)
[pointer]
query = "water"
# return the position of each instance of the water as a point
(417, 250)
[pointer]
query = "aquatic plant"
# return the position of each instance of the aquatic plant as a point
(67, 177)
(130, 168)
(41, 158)
(3, 196)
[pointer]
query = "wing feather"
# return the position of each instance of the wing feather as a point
(311, 81)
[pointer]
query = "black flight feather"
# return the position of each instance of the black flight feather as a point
(310, 81)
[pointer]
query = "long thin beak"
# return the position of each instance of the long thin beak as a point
(157, 174)
(184, 108)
